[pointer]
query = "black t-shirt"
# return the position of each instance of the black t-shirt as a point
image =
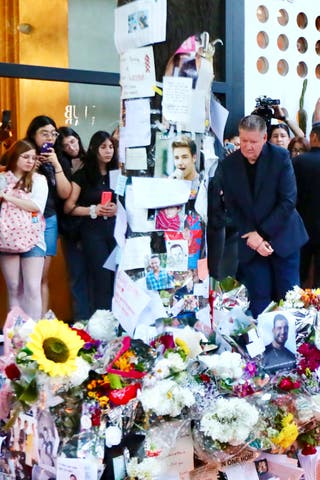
(53, 200)
(91, 195)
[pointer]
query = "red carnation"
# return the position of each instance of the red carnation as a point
(12, 371)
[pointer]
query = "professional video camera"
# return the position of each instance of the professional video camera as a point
(264, 108)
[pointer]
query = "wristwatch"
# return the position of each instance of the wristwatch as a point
(92, 212)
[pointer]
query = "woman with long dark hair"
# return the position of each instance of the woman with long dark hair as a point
(69, 148)
(23, 271)
(42, 131)
(86, 200)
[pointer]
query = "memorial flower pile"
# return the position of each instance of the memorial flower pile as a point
(101, 388)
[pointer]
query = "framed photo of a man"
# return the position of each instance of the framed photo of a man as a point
(278, 332)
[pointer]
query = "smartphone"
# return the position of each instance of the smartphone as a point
(230, 146)
(106, 197)
(46, 147)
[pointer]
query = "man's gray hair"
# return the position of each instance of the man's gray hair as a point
(253, 123)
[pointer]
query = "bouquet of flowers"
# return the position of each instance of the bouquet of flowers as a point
(226, 428)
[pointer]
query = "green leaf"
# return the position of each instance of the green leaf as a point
(115, 381)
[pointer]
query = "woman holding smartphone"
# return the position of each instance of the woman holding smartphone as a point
(88, 200)
(42, 131)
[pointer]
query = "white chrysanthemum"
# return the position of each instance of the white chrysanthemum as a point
(227, 365)
(293, 298)
(229, 421)
(148, 469)
(166, 398)
(102, 325)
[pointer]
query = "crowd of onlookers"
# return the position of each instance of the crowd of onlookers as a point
(63, 184)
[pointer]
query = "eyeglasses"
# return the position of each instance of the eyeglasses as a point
(298, 150)
(47, 134)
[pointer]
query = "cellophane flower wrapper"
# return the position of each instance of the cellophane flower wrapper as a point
(225, 429)
(230, 294)
(160, 439)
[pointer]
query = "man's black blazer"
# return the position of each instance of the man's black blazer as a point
(270, 210)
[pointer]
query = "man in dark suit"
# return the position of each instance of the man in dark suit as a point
(259, 189)
(307, 170)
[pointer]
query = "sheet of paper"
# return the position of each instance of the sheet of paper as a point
(80, 468)
(140, 23)
(128, 301)
(137, 73)
(113, 178)
(218, 118)
(198, 112)
(137, 217)
(157, 192)
(111, 261)
(136, 251)
(121, 225)
(154, 308)
(256, 345)
(137, 132)
(121, 184)
(136, 158)
(177, 99)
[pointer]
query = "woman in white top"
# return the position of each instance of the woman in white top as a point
(23, 271)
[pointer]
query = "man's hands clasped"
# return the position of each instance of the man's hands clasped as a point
(257, 243)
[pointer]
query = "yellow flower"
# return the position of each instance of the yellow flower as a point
(55, 346)
(183, 345)
(288, 433)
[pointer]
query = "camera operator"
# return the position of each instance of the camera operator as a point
(269, 109)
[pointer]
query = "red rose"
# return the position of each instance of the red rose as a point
(12, 371)
(309, 450)
(287, 384)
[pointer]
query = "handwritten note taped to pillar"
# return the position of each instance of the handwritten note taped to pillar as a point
(177, 99)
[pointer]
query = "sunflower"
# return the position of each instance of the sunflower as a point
(54, 346)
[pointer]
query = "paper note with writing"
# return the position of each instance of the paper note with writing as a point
(128, 301)
(157, 192)
(137, 73)
(218, 116)
(136, 158)
(177, 99)
(137, 132)
(140, 23)
(180, 459)
(135, 252)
